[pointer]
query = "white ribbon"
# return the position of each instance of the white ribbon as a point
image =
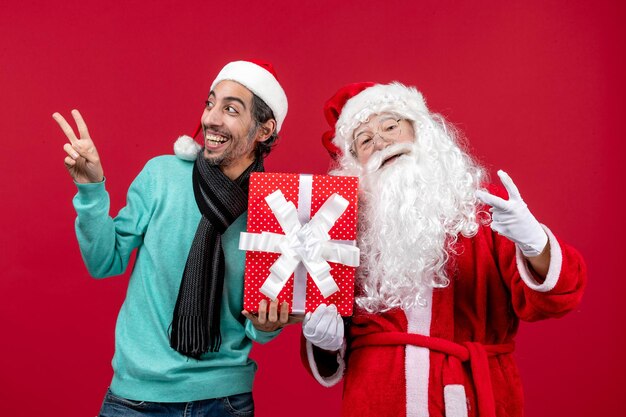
(307, 243)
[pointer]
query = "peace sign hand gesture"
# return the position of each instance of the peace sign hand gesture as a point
(82, 160)
(513, 219)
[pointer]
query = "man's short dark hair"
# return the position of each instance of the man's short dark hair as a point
(261, 113)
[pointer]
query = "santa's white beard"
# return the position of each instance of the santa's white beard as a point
(411, 212)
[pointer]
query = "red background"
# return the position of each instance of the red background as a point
(538, 87)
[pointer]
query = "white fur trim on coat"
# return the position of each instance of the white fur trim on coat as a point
(417, 359)
(554, 269)
(455, 400)
(334, 379)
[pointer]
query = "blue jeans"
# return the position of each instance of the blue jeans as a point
(240, 405)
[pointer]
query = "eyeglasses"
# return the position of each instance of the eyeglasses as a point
(388, 130)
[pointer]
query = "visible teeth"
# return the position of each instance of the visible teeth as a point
(214, 138)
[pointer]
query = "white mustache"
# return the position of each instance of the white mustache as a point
(377, 159)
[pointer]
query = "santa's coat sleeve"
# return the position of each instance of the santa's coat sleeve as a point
(533, 297)
(326, 368)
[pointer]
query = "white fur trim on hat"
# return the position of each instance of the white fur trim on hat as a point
(186, 148)
(261, 82)
(393, 98)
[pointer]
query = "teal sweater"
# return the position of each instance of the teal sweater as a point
(160, 219)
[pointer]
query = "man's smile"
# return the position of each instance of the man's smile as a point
(213, 140)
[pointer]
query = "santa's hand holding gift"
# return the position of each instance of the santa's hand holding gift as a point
(324, 328)
(442, 284)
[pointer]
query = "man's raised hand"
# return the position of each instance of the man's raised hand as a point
(82, 160)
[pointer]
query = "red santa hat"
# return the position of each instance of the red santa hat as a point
(354, 103)
(258, 77)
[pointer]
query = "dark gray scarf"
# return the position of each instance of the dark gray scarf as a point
(196, 323)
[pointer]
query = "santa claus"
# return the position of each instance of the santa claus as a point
(449, 267)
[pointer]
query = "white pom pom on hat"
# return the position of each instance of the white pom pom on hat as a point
(186, 148)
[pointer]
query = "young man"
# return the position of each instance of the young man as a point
(441, 287)
(181, 339)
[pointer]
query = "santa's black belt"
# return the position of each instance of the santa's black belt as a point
(476, 353)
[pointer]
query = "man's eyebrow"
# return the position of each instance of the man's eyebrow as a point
(237, 99)
(231, 98)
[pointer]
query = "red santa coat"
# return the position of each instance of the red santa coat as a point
(454, 357)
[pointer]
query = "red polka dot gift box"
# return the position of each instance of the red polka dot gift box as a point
(301, 241)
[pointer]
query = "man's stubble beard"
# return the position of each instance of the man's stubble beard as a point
(234, 151)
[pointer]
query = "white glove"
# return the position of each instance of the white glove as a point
(324, 328)
(513, 220)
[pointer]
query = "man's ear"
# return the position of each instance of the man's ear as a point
(265, 130)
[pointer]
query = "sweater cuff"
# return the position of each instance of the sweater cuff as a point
(327, 381)
(91, 200)
(554, 269)
(90, 190)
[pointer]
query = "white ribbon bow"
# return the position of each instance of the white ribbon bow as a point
(309, 243)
